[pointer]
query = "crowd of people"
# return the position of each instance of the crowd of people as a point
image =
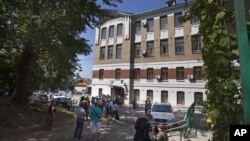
(108, 106)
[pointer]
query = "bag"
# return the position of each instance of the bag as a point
(117, 117)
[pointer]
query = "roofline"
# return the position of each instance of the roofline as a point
(163, 9)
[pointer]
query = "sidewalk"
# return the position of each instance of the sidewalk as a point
(122, 130)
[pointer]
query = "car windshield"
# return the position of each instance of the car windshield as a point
(162, 108)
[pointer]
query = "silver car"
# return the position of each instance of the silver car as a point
(162, 113)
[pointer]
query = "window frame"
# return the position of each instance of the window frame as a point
(138, 27)
(177, 20)
(111, 31)
(119, 29)
(150, 74)
(103, 34)
(179, 46)
(137, 50)
(164, 73)
(150, 48)
(102, 53)
(163, 22)
(161, 47)
(196, 44)
(197, 72)
(101, 74)
(180, 98)
(180, 73)
(118, 53)
(110, 52)
(165, 100)
(150, 95)
(117, 74)
(137, 74)
(150, 25)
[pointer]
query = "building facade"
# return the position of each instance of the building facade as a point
(150, 55)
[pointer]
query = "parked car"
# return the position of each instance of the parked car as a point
(63, 101)
(162, 113)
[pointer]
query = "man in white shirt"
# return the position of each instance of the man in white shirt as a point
(80, 114)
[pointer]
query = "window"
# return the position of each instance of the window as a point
(198, 98)
(163, 23)
(111, 31)
(100, 92)
(119, 30)
(102, 53)
(197, 73)
(138, 27)
(150, 74)
(103, 36)
(137, 74)
(164, 73)
(164, 47)
(150, 95)
(196, 44)
(118, 51)
(117, 73)
(110, 52)
(137, 50)
(180, 98)
(150, 49)
(136, 94)
(164, 96)
(194, 19)
(150, 25)
(179, 45)
(180, 73)
(177, 20)
(101, 73)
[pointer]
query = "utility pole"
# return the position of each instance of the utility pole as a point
(241, 28)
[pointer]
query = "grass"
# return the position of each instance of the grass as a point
(20, 116)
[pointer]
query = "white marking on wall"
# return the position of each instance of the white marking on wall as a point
(122, 66)
(111, 41)
(194, 29)
(137, 38)
(127, 27)
(97, 36)
(179, 32)
(119, 40)
(103, 42)
(164, 34)
(156, 18)
(150, 36)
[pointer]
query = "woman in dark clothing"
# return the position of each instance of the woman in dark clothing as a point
(142, 126)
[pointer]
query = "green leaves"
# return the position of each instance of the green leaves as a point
(218, 53)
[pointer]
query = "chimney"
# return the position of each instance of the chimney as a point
(171, 3)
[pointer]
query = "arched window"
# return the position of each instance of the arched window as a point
(164, 96)
(137, 94)
(198, 98)
(180, 98)
(150, 95)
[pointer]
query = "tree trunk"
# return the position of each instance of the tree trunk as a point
(22, 87)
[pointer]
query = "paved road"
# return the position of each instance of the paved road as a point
(117, 130)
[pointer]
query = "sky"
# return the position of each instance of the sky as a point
(130, 6)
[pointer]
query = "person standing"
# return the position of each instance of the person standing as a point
(80, 115)
(142, 126)
(51, 116)
(95, 118)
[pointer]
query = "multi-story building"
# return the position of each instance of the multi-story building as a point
(150, 55)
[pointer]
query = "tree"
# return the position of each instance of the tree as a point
(46, 34)
(217, 27)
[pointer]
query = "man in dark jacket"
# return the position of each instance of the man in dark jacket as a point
(142, 126)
